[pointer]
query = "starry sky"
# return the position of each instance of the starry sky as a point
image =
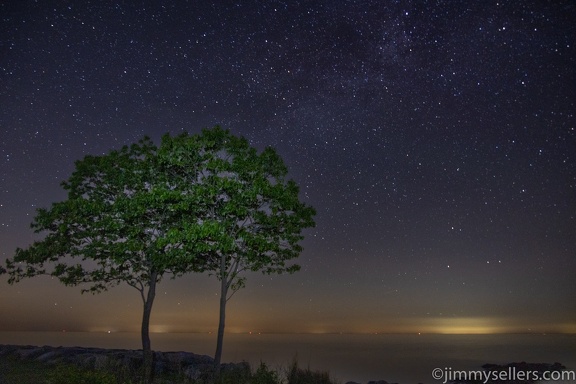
(436, 140)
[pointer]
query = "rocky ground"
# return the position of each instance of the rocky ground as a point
(189, 364)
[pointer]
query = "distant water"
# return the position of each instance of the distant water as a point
(394, 358)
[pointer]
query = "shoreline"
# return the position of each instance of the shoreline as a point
(191, 366)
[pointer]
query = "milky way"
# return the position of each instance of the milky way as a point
(436, 140)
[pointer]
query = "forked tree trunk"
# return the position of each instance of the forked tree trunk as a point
(145, 331)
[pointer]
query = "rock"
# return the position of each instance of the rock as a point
(192, 372)
(191, 365)
(47, 356)
(30, 352)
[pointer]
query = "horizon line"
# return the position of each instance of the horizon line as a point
(302, 333)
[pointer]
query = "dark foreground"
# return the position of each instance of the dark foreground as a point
(185, 364)
(63, 365)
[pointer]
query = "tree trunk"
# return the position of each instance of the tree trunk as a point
(145, 331)
(222, 320)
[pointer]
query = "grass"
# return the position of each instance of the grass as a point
(13, 371)
(18, 371)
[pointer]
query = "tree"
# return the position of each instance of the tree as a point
(207, 202)
(253, 212)
(114, 227)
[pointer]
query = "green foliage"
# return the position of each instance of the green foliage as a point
(196, 203)
(71, 374)
(115, 216)
(21, 371)
(247, 211)
(297, 375)
(264, 375)
(176, 208)
(248, 214)
(18, 371)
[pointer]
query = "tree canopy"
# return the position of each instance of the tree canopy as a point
(118, 215)
(113, 228)
(196, 203)
(253, 211)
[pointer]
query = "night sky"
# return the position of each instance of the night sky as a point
(436, 140)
